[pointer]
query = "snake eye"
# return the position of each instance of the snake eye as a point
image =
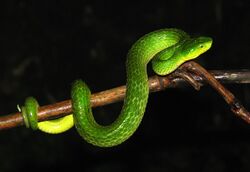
(201, 46)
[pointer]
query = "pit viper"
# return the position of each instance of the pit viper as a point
(167, 48)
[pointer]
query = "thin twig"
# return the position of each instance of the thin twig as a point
(156, 83)
(236, 107)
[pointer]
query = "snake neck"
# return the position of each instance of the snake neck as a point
(152, 43)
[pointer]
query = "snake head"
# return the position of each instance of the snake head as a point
(171, 58)
(194, 47)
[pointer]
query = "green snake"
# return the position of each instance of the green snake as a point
(167, 48)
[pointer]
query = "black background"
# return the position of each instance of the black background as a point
(48, 44)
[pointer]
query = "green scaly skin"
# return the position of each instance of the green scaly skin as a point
(168, 48)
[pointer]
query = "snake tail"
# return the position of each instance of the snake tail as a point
(29, 112)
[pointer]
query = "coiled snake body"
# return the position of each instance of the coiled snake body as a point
(168, 49)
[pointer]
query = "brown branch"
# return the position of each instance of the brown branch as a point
(236, 107)
(156, 83)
